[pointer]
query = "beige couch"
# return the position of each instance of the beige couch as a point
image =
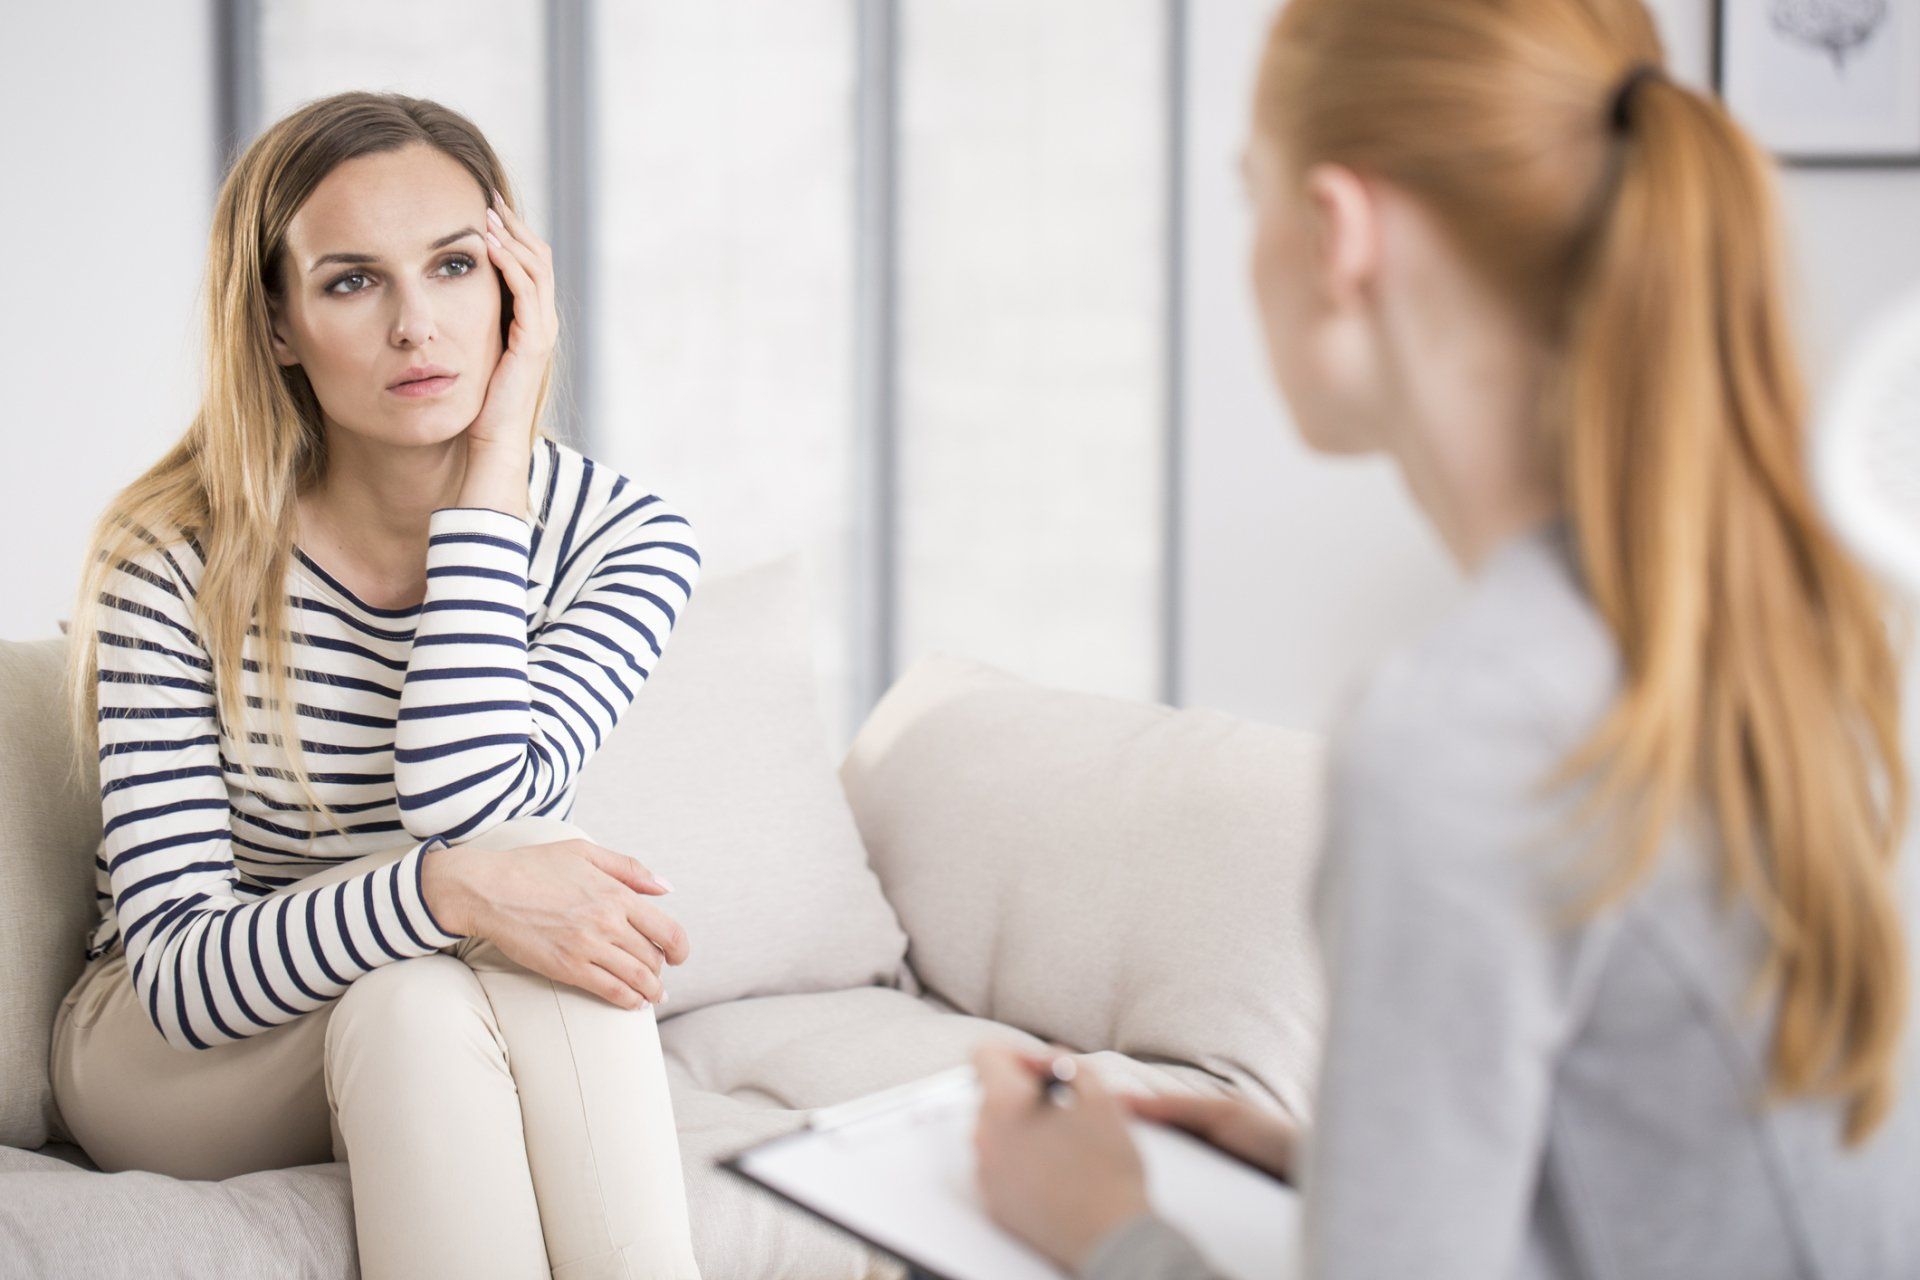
(992, 858)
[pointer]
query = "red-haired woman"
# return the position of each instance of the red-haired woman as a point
(1608, 897)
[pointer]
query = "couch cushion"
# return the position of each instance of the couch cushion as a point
(1105, 873)
(741, 1232)
(719, 778)
(49, 827)
(802, 1052)
(56, 1220)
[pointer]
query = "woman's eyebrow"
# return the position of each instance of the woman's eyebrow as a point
(359, 259)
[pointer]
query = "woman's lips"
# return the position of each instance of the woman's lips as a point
(424, 387)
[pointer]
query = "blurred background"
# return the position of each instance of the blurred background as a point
(946, 296)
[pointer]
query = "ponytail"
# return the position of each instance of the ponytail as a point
(1760, 673)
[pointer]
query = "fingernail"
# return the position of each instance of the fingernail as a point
(664, 997)
(664, 883)
(493, 217)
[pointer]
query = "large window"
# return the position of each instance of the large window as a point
(1031, 285)
(480, 57)
(723, 206)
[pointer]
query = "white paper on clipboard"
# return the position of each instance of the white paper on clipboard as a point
(896, 1168)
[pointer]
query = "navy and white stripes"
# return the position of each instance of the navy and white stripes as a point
(424, 725)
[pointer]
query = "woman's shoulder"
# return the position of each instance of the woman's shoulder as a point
(1460, 726)
(592, 515)
(159, 553)
(147, 585)
(1524, 652)
(571, 486)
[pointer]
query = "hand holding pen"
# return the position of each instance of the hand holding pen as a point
(1056, 1086)
(1055, 1163)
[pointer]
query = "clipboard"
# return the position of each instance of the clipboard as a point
(896, 1170)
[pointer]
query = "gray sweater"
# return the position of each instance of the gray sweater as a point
(1502, 1097)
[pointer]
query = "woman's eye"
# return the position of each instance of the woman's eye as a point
(466, 263)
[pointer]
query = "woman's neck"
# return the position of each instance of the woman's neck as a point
(1468, 438)
(372, 506)
(1474, 518)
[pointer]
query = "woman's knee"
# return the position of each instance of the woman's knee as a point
(532, 829)
(411, 1005)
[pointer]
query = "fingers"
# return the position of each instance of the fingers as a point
(640, 947)
(1004, 1078)
(608, 986)
(512, 231)
(1010, 1075)
(526, 294)
(519, 228)
(1160, 1106)
(611, 987)
(661, 929)
(1085, 1079)
(1040, 1064)
(515, 242)
(1201, 1116)
(641, 984)
(625, 868)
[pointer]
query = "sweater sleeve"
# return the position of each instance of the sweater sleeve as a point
(1147, 1247)
(495, 723)
(208, 967)
(1451, 989)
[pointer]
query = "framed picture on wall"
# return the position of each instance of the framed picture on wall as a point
(1833, 82)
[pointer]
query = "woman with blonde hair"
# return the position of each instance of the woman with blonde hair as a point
(343, 652)
(1608, 897)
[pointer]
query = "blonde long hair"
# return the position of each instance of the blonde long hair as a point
(1760, 679)
(258, 439)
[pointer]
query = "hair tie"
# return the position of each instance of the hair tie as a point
(1640, 73)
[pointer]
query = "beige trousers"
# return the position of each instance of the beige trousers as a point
(494, 1122)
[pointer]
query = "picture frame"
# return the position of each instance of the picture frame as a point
(1823, 82)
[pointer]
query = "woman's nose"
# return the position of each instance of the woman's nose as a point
(413, 319)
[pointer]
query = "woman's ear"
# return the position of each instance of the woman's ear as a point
(1346, 233)
(283, 351)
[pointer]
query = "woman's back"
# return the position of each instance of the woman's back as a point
(1585, 1099)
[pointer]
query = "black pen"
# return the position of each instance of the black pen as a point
(1057, 1086)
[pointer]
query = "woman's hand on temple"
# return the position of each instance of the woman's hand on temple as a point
(500, 438)
(1058, 1177)
(570, 910)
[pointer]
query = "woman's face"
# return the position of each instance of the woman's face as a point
(419, 290)
(1308, 267)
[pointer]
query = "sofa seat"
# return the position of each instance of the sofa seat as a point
(988, 858)
(742, 1072)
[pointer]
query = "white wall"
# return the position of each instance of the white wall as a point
(1301, 571)
(109, 157)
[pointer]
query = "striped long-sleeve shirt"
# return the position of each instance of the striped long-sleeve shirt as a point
(425, 725)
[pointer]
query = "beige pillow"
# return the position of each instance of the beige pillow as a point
(49, 828)
(1104, 873)
(719, 778)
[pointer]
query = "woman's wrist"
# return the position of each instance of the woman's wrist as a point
(496, 477)
(445, 889)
